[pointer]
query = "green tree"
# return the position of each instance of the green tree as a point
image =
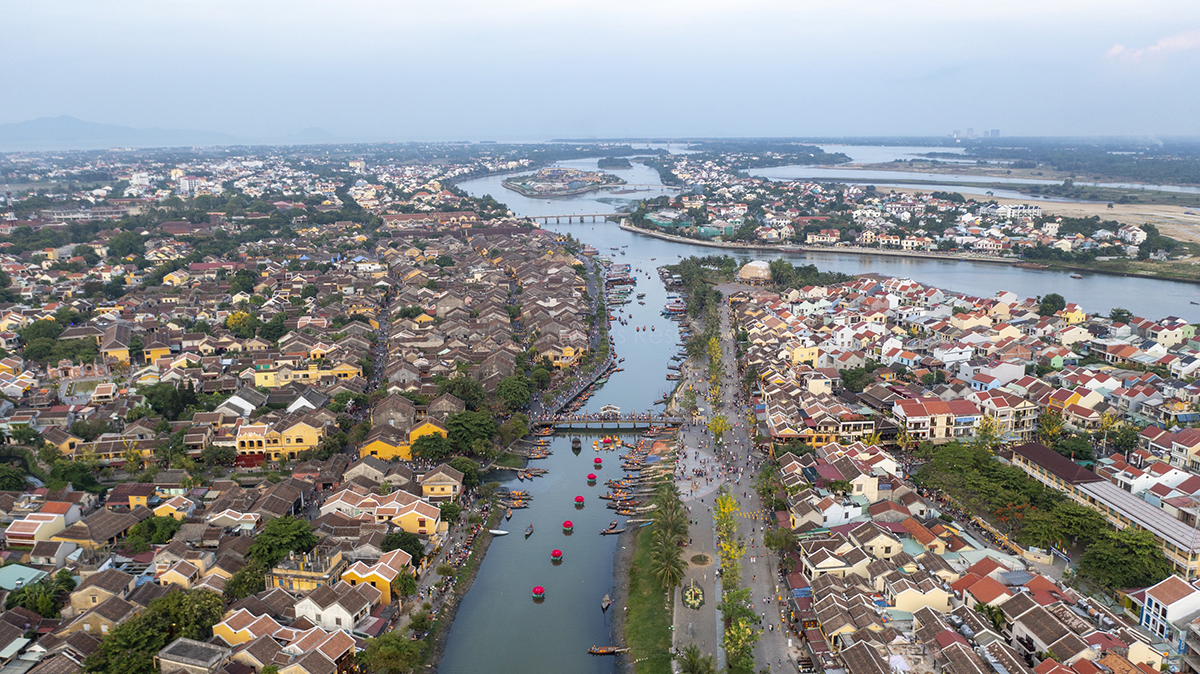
(1075, 447)
(719, 425)
(12, 478)
(541, 377)
(468, 468)
(692, 661)
(214, 455)
(466, 427)
(780, 540)
(151, 531)
(514, 391)
(273, 329)
(248, 580)
(666, 562)
(450, 511)
(405, 585)
(406, 541)
(465, 389)
(432, 447)
(281, 536)
(242, 324)
(126, 244)
(130, 648)
(1119, 315)
(1126, 440)
(1051, 304)
(24, 435)
(1125, 558)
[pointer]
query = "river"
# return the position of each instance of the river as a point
(850, 175)
(498, 628)
(1094, 292)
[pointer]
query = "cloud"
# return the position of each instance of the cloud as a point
(1188, 40)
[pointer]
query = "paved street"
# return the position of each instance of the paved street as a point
(735, 463)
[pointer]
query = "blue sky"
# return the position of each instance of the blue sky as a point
(536, 69)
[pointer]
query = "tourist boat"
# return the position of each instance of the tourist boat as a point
(607, 650)
(497, 532)
(605, 603)
(610, 409)
(529, 531)
(1076, 275)
(508, 515)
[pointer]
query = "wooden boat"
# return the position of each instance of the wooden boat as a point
(528, 531)
(605, 603)
(497, 532)
(1076, 275)
(607, 650)
(508, 515)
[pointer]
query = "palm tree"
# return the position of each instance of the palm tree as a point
(693, 662)
(666, 559)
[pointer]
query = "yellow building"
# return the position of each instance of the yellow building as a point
(381, 574)
(153, 352)
(308, 571)
(182, 573)
(387, 443)
(420, 518)
(176, 278)
(177, 507)
(276, 377)
(1072, 314)
(286, 439)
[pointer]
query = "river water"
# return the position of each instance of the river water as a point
(498, 628)
(795, 172)
(1094, 292)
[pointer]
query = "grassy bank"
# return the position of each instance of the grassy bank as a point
(510, 460)
(648, 620)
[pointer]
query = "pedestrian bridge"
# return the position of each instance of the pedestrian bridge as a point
(610, 424)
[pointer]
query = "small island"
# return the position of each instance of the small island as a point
(560, 182)
(617, 163)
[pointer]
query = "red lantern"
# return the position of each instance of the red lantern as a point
(597, 461)
(556, 555)
(591, 477)
(579, 499)
(568, 526)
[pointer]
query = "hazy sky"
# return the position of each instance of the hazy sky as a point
(536, 69)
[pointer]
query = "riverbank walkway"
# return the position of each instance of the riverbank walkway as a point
(735, 464)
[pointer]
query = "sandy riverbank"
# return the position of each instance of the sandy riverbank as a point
(622, 560)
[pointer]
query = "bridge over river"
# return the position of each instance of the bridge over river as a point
(571, 218)
(619, 423)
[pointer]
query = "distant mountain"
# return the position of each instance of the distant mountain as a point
(312, 135)
(69, 133)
